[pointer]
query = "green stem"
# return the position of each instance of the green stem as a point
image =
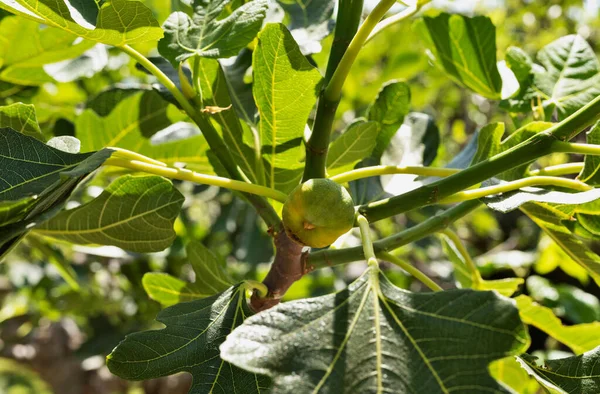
(411, 270)
(526, 152)
(129, 155)
(515, 185)
(191, 176)
(399, 17)
(211, 135)
(333, 91)
(454, 238)
(332, 257)
(348, 20)
(367, 243)
(366, 172)
(559, 169)
(571, 147)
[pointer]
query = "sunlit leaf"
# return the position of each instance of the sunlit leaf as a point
(566, 79)
(216, 93)
(134, 213)
(21, 117)
(580, 338)
(509, 372)
(139, 115)
(27, 47)
(115, 22)
(205, 34)
(285, 87)
(343, 342)
(190, 342)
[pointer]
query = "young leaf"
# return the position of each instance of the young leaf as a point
(591, 163)
(190, 342)
(579, 338)
(343, 342)
(215, 93)
(465, 48)
(489, 144)
(389, 109)
(566, 79)
(356, 143)
(115, 22)
(310, 22)
(169, 290)
(205, 35)
(21, 117)
(285, 87)
(572, 375)
(210, 279)
(520, 63)
(136, 116)
(465, 277)
(550, 220)
(133, 213)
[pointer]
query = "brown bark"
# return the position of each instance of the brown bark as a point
(288, 267)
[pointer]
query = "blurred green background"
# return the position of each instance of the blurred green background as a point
(63, 308)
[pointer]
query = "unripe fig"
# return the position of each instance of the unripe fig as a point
(318, 212)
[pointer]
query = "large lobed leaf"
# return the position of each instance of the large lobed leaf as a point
(374, 337)
(571, 375)
(206, 34)
(29, 166)
(134, 212)
(285, 87)
(36, 181)
(190, 342)
(115, 22)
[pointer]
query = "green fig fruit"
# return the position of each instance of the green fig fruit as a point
(318, 212)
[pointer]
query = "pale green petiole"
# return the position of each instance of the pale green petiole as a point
(420, 276)
(515, 185)
(365, 233)
(188, 175)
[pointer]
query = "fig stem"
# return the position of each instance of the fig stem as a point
(516, 185)
(188, 175)
(416, 273)
(367, 243)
